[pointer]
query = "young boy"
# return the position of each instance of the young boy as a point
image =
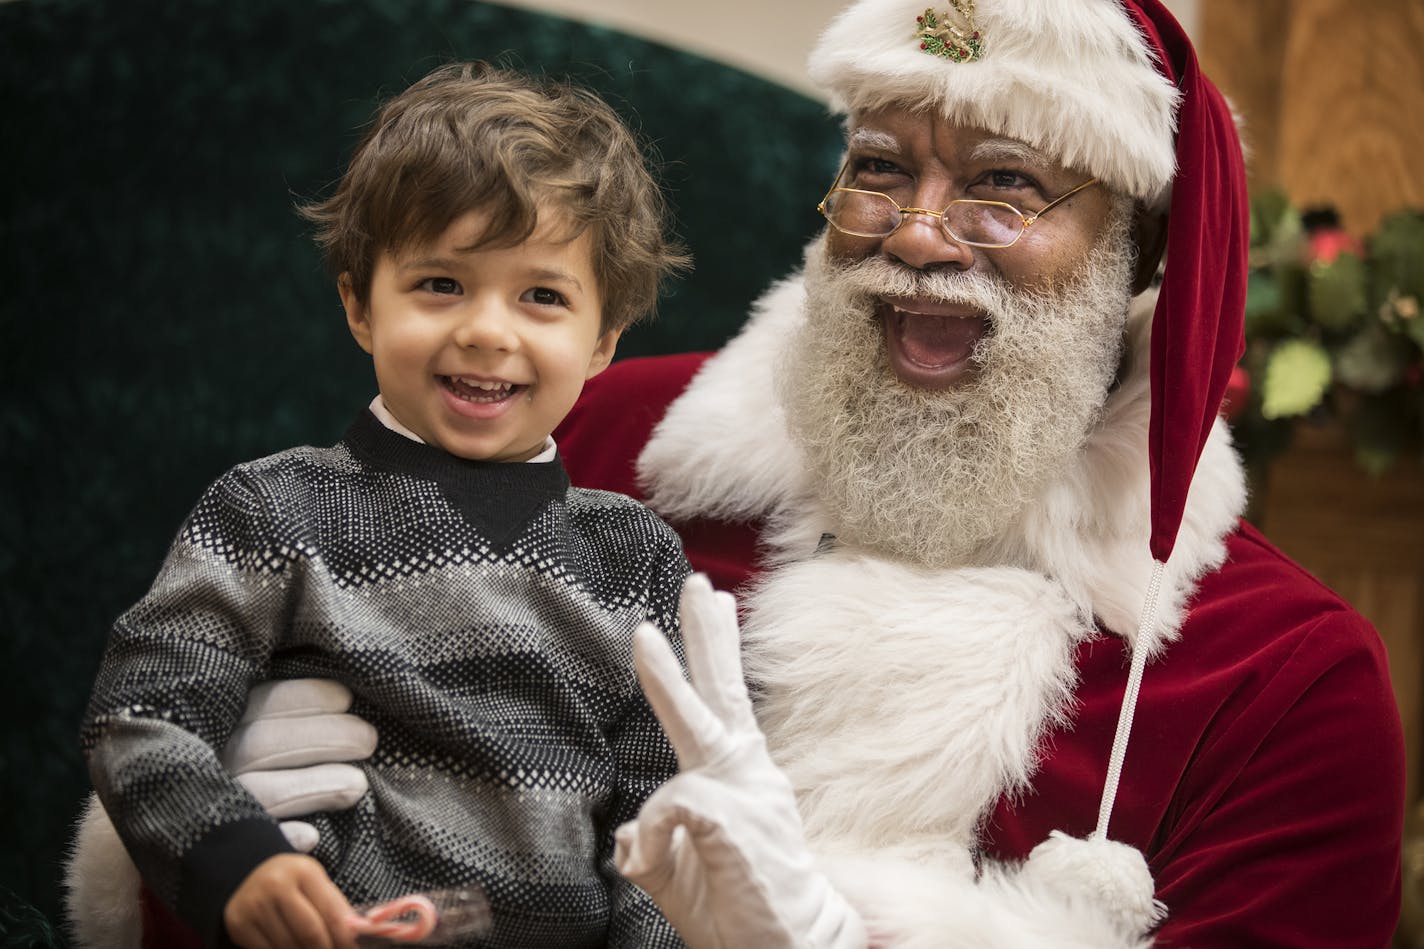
(491, 238)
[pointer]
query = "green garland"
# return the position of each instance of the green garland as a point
(1334, 332)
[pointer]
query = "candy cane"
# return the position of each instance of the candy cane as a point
(408, 919)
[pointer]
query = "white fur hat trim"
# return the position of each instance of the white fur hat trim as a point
(1073, 78)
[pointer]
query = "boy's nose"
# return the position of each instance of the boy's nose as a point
(485, 326)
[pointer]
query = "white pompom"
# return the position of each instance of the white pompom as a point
(1104, 872)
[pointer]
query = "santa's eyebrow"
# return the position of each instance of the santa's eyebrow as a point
(872, 138)
(1008, 149)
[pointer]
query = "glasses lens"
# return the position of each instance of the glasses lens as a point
(983, 222)
(863, 213)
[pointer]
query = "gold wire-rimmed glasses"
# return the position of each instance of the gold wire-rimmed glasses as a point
(969, 221)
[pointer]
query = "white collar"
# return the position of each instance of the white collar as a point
(383, 414)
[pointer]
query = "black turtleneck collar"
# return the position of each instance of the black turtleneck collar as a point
(497, 497)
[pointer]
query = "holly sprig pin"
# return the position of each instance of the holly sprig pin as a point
(948, 41)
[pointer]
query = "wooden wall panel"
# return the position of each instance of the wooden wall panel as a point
(1241, 47)
(1352, 112)
(1332, 93)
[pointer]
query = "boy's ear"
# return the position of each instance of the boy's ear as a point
(357, 319)
(603, 353)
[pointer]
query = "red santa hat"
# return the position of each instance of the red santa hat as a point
(1110, 87)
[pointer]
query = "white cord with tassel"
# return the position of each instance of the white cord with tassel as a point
(1146, 624)
(1110, 874)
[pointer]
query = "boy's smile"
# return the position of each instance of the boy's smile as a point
(479, 398)
(482, 350)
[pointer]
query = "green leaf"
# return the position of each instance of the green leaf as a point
(1277, 234)
(1287, 244)
(1264, 305)
(1297, 377)
(1397, 254)
(1337, 292)
(1373, 360)
(1268, 209)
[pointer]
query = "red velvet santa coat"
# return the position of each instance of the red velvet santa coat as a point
(924, 714)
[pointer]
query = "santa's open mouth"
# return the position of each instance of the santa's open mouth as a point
(931, 346)
(484, 391)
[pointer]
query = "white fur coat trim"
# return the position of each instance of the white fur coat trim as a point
(102, 886)
(903, 701)
(722, 450)
(913, 903)
(1074, 78)
(749, 468)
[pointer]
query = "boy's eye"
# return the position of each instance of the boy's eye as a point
(543, 296)
(443, 285)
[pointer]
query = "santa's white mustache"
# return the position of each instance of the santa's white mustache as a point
(876, 277)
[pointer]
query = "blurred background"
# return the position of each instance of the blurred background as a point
(163, 314)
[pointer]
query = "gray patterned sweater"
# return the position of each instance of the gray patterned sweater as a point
(482, 615)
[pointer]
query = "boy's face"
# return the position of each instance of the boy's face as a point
(483, 352)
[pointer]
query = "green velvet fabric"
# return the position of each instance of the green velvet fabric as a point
(164, 315)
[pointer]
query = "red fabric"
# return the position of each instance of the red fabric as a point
(600, 439)
(1197, 330)
(1264, 780)
(162, 929)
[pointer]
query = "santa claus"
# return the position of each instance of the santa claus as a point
(998, 535)
(1019, 674)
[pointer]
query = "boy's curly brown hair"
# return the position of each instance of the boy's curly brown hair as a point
(472, 136)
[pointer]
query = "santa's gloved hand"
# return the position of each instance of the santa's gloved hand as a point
(720, 847)
(289, 749)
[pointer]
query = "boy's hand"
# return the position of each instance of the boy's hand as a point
(289, 902)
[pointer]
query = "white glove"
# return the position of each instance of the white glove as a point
(288, 747)
(720, 847)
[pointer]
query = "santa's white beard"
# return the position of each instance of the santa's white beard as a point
(932, 476)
